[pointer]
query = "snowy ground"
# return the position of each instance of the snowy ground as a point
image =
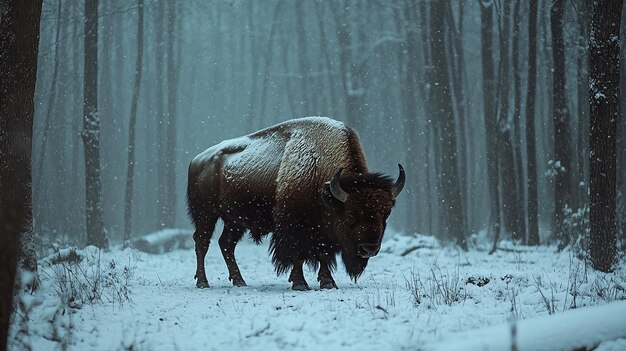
(150, 302)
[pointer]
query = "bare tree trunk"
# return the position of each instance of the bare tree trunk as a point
(132, 123)
(531, 162)
(254, 64)
(96, 234)
(584, 19)
(350, 67)
(507, 162)
(172, 100)
(491, 125)
(319, 7)
(268, 62)
(161, 117)
(562, 147)
(19, 25)
(47, 124)
(303, 61)
(409, 102)
(517, 119)
(604, 100)
(442, 99)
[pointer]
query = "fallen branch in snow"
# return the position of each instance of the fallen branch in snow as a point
(164, 241)
(579, 329)
(413, 248)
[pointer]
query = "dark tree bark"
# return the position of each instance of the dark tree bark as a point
(562, 147)
(517, 120)
(132, 123)
(457, 78)
(96, 234)
(19, 40)
(531, 151)
(442, 99)
(604, 100)
(409, 102)
(491, 125)
(584, 20)
(510, 196)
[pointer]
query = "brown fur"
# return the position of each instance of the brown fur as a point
(274, 181)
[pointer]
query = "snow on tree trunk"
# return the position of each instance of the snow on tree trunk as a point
(604, 97)
(91, 130)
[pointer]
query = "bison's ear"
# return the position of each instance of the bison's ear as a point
(330, 201)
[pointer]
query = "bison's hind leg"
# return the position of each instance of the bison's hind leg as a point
(228, 240)
(202, 238)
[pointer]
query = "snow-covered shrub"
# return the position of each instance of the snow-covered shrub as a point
(439, 288)
(81, 276)
(576, 225)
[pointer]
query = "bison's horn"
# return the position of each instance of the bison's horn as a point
(335, 187)
(397, 187)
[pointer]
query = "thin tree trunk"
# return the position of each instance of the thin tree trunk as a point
(161, 117)
(172, 99)
(562, 147)
(96, 234)
(604, 100)
(584, 19)
(269, 53)
(319, 7)
(19, 25)
(47, 125)
(409, 102)
(505, 152)
(531, 153)
(453, 208)
(132, 123)
(491, 125)
(517, 118)
(303, 61)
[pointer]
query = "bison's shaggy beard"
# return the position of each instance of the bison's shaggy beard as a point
(354, 264)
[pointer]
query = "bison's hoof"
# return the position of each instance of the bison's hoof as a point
(300, 287)
(328, 285)
(239, 282)
(202, 284)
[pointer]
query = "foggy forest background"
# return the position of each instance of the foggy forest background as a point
(439, 86)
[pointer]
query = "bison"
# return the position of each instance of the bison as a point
(306, 182)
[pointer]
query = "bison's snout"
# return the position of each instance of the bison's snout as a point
(368, 250)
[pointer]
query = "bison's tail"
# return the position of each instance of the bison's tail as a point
(196, 208)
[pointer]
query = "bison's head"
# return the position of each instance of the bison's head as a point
(360, 205)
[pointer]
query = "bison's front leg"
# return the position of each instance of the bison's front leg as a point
(324, 277)
(297, 277)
